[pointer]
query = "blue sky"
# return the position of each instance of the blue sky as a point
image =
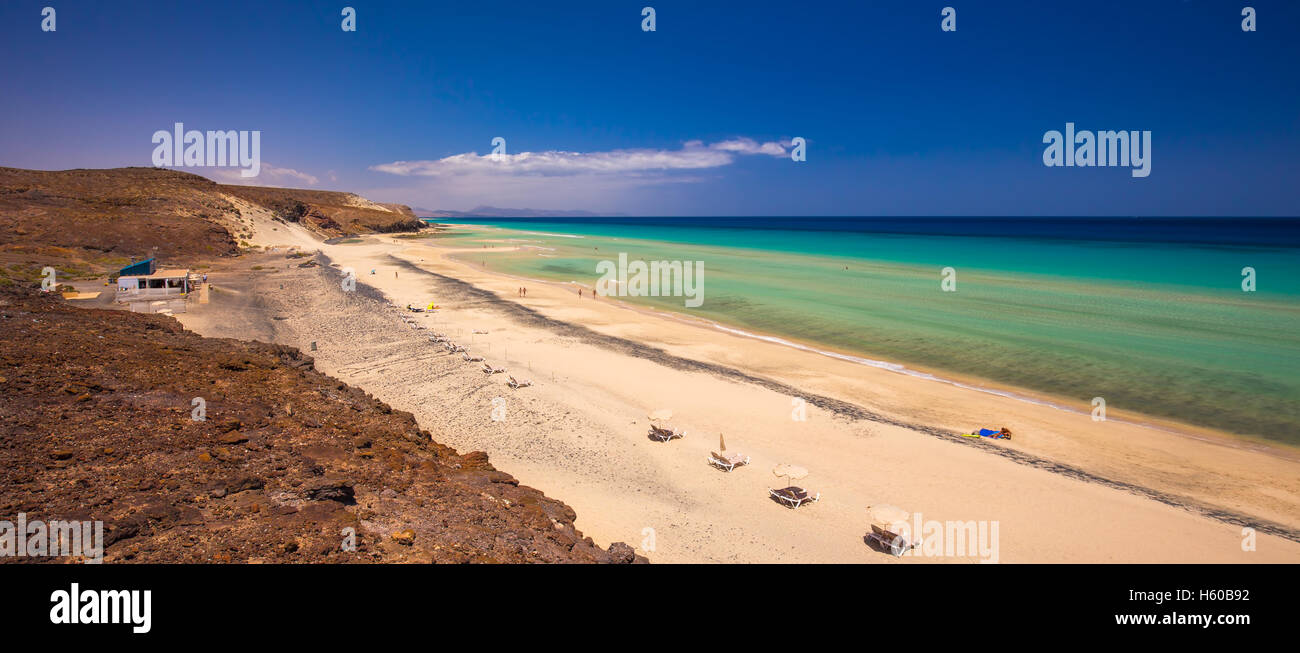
(900, 117)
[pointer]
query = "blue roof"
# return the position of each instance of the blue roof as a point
(143, 268)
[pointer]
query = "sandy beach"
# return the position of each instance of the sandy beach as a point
(1066, 489)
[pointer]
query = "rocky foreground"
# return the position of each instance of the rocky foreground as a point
(97, 422)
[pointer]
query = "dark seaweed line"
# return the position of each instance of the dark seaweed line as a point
(531, 317)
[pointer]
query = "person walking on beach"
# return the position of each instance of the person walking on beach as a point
(580, 293)
(525, 291)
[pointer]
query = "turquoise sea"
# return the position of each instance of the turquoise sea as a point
(1149, 314)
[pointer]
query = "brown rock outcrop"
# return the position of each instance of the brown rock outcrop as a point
(252, 481)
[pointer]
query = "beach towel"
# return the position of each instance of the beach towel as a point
(996, 434)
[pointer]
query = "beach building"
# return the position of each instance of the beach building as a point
(150, 290)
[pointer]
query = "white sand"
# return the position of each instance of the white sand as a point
(579, 433)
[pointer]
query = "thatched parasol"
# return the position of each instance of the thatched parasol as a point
(661, 415)
(789, 472)
(886, 515)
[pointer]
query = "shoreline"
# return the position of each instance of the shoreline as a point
(570, 434)
(1207, 434)
(856, 412)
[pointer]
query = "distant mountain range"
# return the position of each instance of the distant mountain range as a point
(494, 212)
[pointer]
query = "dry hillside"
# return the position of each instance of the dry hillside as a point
(97, 423)
(87, 222)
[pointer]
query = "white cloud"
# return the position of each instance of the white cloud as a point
(693, 155)
(750, 146)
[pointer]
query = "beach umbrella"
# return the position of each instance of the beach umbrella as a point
(722, 444)
(789, 472)
(887, 515)
(661, 415)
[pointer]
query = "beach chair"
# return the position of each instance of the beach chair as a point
(727, 461)
(488, 369)
(793, 497)
(479, 332)
(515, 385)
(454, 348)
(665, 433)
(471, 359)
(889, 540)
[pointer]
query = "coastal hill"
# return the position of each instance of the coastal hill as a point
(86, 222)
(98, 407)
(287, 465)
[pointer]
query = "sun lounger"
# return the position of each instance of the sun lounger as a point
(889, 540)
(488, 369)
(480, 332)
(664, 434)
(455, 348)
(472, 359)
(515, 385)
(727, 461)
(793, 497)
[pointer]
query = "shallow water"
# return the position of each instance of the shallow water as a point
(1149, 315)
